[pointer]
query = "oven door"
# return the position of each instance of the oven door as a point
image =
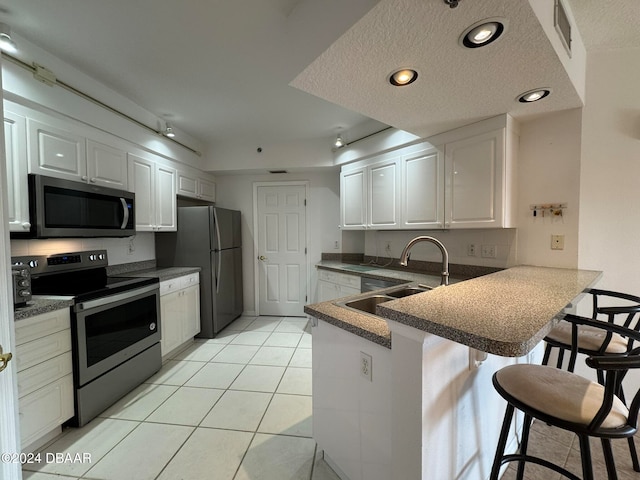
(110, 330)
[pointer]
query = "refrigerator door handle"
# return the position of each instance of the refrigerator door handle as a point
(218, 270)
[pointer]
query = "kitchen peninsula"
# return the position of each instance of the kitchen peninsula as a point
(425, 407)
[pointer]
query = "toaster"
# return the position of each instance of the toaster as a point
(21, 279)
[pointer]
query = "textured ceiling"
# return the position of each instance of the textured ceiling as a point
(221, 69)
(455, 85)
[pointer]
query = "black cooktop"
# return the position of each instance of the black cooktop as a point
(86, 284)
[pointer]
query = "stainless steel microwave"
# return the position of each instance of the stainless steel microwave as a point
(63, 208)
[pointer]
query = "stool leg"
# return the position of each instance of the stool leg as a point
(502, 442)
(523, 445)
(547, 354)
(585, 455)
(608, 459)
(634, 454)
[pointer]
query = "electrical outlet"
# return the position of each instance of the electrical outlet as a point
(557, 242)
(471, 250)
(132, 246)
(489, 251)
(366, 365)
(336, 245)
(387, 247)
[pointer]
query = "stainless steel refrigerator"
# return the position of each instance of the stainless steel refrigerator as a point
(210, 238)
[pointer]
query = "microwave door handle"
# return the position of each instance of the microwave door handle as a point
(125, 212)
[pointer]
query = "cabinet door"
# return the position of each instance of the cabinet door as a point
(353, 199)
(474, 171)
(187, 184)
(166, 214)
(142, 182)
(206, 190)
(56, 153)
(384, 184)
(191, 302)
(106, 165)
(327, 291)
(422, 192)
(15, 138)
(171, 320)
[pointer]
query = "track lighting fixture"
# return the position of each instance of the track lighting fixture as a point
(339, 143)
(6, 43)
(168, 131)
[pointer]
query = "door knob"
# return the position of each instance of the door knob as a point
(4, 359)
(262, 258)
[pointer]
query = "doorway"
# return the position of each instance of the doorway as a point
(280, 248)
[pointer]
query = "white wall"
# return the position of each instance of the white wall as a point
(610, 170)
(549, 172)
(236, 192)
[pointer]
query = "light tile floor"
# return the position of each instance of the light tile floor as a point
(236, 407)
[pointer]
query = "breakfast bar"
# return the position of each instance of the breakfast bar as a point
(417, 399)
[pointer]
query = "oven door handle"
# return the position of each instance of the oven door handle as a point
(125, 214)
(99, 302)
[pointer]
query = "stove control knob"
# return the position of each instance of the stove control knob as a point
(24, 293)
(23, 283)
(93, 257)
(33, 263)
(101, 256)
(24, 273)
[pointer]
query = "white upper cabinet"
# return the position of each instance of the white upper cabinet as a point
(106, 165)
(15, 138)
(155, 188)
(468, 181)
(422, 192)
(56, 152)
(477, 185)
(353, 198)
(384, 190)
(64, 153)
(194, 184)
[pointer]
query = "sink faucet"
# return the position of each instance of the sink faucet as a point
(404, 257)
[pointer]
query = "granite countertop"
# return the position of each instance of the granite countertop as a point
(41, 304)
(506, 313)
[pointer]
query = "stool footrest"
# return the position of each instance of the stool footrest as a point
(515, 457)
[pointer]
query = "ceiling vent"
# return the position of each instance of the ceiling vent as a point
(278, 171)
(563, 25)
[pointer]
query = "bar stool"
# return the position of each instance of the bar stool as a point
(595, 341)
(570, 402)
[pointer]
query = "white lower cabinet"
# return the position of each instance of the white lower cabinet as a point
(332, 285)
(179, 311)
(45, 374)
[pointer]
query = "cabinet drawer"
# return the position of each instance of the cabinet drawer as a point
(42, 325)
(42, 349)
(45, 409)
(31, 379)
(169, 286)
(189, 280)
(349, 280)
(328, 276)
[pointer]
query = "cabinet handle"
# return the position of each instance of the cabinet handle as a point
(26, 225)
(93, 180)
(85, 178)
(5, 358)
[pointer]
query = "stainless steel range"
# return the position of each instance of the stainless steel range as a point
(115, 325)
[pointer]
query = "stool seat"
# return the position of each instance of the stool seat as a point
(589, 338)
(560, 394)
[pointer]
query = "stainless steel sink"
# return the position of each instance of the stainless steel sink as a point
(406, 291)
(368, 304)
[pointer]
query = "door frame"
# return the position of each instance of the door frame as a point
(256, 263)
(9, 423)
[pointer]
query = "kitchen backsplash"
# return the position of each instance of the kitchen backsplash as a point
(138, 248)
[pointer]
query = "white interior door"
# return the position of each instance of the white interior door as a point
(10, 469)
(282, 243)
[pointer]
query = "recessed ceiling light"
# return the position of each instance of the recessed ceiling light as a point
(483, 33)
(402, 77)
(534, 95)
